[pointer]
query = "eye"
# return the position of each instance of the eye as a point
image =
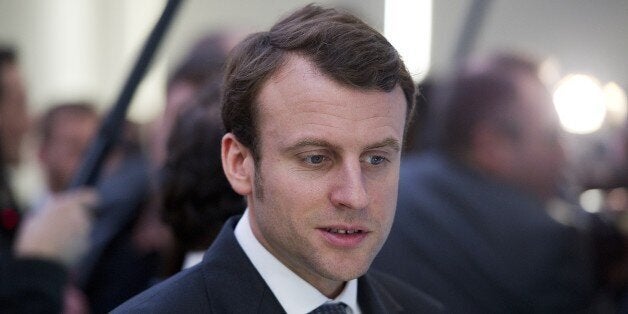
(315, 159)
(375, 159)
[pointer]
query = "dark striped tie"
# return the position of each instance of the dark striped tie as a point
(331, 308)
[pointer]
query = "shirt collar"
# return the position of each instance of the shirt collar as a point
(293, 293)
(192, 258)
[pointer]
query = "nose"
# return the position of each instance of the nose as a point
(349, 189)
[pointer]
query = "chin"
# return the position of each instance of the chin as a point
(347, 269)
(346, 274)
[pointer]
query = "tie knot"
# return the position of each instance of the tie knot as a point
(331, 308)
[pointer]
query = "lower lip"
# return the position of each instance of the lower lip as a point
(343, 240)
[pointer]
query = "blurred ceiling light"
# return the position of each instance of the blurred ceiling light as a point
(549, 71)
(592, 200)
(408, 26)
(615, 102)
(578, 99)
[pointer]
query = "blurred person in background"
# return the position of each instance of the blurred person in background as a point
(35, 273)
(129, 241)
(65, 131)
(14, 123)
(35, 254)
(197, 198)
(479, 223)
(117, 266)
(14, 119)
(201, 64)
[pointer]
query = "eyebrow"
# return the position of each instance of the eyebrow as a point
(388, 142)
(310, 142)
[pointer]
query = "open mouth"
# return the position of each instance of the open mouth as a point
(344, 231)
(344, 237)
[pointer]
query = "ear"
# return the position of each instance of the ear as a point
(237, 162)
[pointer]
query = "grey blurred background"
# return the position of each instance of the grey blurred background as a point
(77, 49)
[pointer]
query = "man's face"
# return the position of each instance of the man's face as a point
(14, 121)
(62, 153)
(326, 182)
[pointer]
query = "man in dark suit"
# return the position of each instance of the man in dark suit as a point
(479, 220)
(315, 112)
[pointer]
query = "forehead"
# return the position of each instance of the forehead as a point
(299, 101)
(69, 120)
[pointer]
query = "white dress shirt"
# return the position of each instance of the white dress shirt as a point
(295, 295)
(192, 258)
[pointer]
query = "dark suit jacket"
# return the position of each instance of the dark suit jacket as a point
(480, 246)
(227, 282)
(31, 285)
(114, 269)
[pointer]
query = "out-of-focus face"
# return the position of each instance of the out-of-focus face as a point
(62, 154)
(325, 188)
(14, 120)
(177, 100)
(539, 156)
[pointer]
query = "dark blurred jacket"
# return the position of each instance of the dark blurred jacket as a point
(114, 269)
(482, 247)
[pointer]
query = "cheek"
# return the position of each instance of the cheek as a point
(297, 188)
(384, 199)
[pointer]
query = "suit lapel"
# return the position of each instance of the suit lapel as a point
(374, 298)
(232, 283)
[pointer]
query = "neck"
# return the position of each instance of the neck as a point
(330, 289)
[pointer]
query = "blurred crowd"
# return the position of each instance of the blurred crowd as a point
(485, 222)
(160, 200)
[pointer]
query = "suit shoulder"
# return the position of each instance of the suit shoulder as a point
(408, 297)
(183, 292)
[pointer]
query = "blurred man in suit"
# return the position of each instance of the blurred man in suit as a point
(473, 223)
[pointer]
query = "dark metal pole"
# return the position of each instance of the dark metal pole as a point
(471, 29)
(111, 127)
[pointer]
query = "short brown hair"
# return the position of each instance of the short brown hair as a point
(339, 44)
(203, 62)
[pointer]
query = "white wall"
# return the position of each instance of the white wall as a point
(83, 49)
(583, 35)
(73, 49)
